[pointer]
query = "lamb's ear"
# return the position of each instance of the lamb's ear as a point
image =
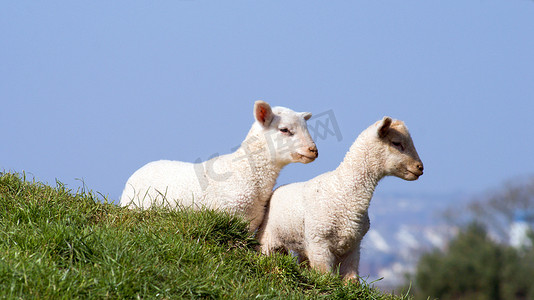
(383, 127)
(263, 113)
(306, 115)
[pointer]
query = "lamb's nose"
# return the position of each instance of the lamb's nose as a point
(420, 167)
(314, 151)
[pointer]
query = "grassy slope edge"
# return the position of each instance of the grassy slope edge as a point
(55, 243)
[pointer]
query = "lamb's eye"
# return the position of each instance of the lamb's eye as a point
(286, 131)
(398, 145)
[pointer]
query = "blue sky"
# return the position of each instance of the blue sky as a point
(96, 89)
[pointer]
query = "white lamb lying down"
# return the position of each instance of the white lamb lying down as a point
(240, 182)
(323, 220)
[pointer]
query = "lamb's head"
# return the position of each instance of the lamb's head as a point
(400, 157)
(286, 133)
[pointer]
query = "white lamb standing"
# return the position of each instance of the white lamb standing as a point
(240, 182)
(323, 220)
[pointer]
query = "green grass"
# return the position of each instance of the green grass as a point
(60, 244)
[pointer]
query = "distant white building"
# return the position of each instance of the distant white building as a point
(519, 231)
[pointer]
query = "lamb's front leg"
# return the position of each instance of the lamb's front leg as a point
(267, 245)
(320, 257)
(348, 268)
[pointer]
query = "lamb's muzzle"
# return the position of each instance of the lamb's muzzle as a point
(420, 168)
(414, 174)
(314, 151)
(310, 155)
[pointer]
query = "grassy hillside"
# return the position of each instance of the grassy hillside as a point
(58, 244)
